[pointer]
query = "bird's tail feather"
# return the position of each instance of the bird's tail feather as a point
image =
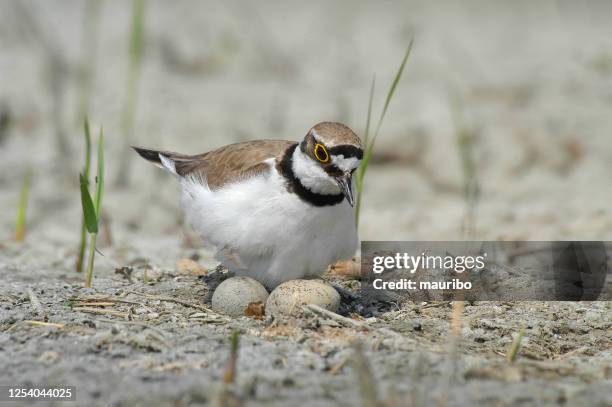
(161, 159)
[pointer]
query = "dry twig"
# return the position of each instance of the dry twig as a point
(174, 300)
(98, 311)
(322, 312)
(46, 324)
(94, 304)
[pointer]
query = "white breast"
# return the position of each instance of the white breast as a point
(266, 232)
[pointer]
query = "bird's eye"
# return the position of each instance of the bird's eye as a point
(321, 153)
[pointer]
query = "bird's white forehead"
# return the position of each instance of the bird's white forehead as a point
(345, 164)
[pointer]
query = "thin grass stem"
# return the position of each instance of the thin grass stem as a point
(100, 175)
(515, 347)
(91, 210)
(129, 107)
(20, 221)
(366, 137)
(90, 262)
(230, 371)
(89, 47)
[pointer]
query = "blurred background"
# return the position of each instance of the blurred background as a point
(499, 129)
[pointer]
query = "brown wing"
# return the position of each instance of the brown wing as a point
(232, 162)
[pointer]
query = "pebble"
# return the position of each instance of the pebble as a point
(289, 297)
(235, 294)
(190, 267)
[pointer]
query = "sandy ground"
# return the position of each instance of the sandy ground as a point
(154, 351)
(529, 85)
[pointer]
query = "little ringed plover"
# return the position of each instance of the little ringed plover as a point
(275, 210)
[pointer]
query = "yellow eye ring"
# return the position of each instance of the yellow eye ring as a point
(321, 153)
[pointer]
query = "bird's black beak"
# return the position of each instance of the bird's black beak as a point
(345, 183)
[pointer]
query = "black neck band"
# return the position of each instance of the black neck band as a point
(285, 167)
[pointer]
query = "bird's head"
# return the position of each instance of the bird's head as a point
(327, 158)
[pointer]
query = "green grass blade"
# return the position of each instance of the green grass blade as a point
(396, 80)
(100, 174)
(86, 171)
(89, 212)
(20, 222)
(370, 147)
(369, 141)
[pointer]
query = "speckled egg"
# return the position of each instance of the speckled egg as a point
(235, 294)
(289, 297)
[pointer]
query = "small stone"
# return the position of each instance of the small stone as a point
(48, 357)
(233, 296)
(289, 297)
(190, 267)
